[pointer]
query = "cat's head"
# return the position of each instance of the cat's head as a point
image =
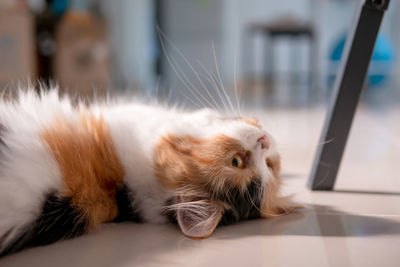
(230, 174)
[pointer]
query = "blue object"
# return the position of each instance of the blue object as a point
(383, 58)
(59, 6)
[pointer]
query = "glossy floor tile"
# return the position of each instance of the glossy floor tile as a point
(356, 225)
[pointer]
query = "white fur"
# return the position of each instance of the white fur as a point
(29, 171)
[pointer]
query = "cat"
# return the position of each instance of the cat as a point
(67, 168)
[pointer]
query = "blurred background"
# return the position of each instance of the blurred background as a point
(279, 58)
(275, 53)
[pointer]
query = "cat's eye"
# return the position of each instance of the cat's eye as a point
(237, 161)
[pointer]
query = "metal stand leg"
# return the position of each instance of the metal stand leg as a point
(347, 89)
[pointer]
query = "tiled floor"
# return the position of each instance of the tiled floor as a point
(357, 225)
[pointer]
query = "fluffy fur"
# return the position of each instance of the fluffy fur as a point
(198, 169)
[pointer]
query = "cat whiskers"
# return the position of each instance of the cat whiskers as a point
(192, 69)
(251, 201)
(180, 73)
(216, 82)
(235, 86)
(211, 79)
(220, 79)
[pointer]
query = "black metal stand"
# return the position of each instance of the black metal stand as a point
(347, 90)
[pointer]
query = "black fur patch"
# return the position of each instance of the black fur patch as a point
(58, 220)
(126, 212)
(2, 130)
(243, 206)
(169, 213)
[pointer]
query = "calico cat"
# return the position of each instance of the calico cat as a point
(65, 169)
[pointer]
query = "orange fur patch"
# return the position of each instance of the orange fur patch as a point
(89, 164)
(184, 160)
(252, 121)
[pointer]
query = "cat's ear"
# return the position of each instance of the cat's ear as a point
(199, 220)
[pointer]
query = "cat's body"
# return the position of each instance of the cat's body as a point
(64, 170)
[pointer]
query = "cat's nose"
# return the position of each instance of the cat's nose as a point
(264, 141)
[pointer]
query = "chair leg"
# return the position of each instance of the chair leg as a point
(346, 93)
